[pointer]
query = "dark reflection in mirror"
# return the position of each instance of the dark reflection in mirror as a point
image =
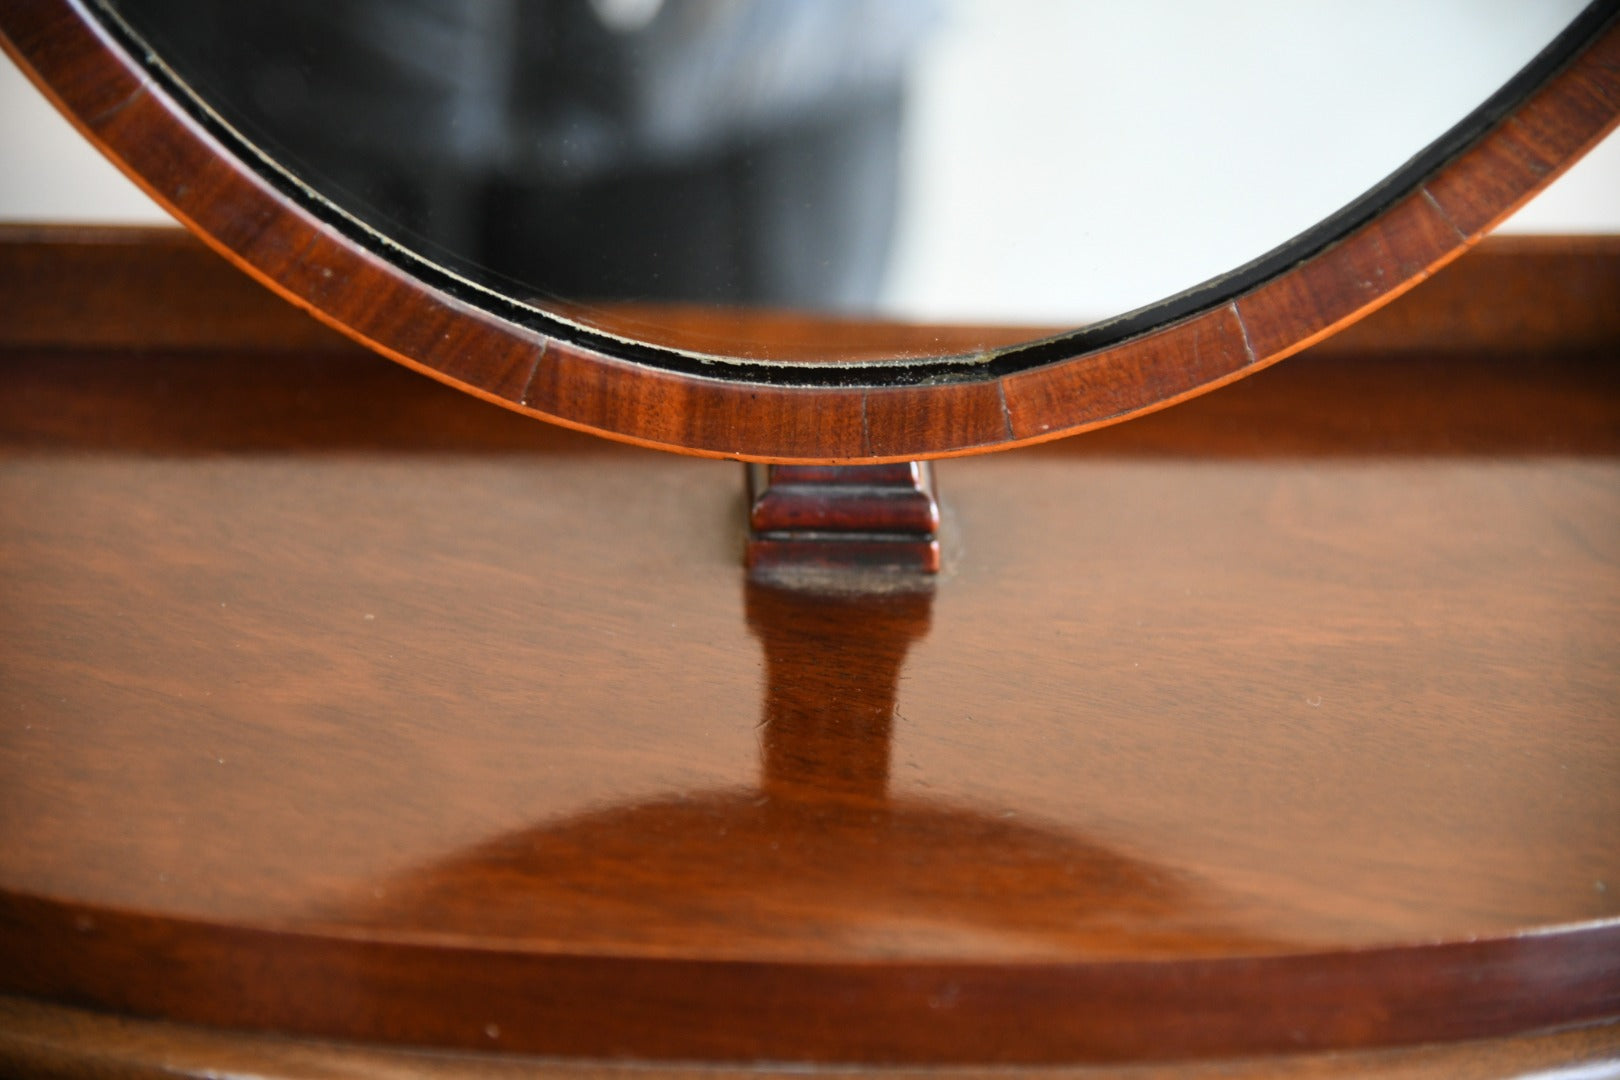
(715, 152)
(823, 850)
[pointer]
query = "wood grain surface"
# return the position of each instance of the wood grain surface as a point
(338, 703)
(842, 518)
(123, 287)
(57, 1043)
(715, 410)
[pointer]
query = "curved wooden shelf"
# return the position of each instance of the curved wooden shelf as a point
(607, 391)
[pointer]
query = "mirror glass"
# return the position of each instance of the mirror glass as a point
(667, 170)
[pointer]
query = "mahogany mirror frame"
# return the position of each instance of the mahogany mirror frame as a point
(809, 412)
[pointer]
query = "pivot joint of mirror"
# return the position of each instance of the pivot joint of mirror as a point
(836, 522)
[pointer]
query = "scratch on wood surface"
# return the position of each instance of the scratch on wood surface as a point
(1429, 195)
(315, 237)
(1006, 413)
(534, 369)
(866, 427)
(1243, 328)
(113, 110)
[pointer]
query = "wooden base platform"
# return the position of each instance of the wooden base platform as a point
(336, 704)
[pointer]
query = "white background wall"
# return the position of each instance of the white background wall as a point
(1087, 158)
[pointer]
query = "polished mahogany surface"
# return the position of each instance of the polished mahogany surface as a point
(1260, 707)
(104, 287)
(336, 702)
(54, 1041)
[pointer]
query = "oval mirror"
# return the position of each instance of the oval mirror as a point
(735, 229)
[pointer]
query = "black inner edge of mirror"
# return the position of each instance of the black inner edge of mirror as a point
(900, 371)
